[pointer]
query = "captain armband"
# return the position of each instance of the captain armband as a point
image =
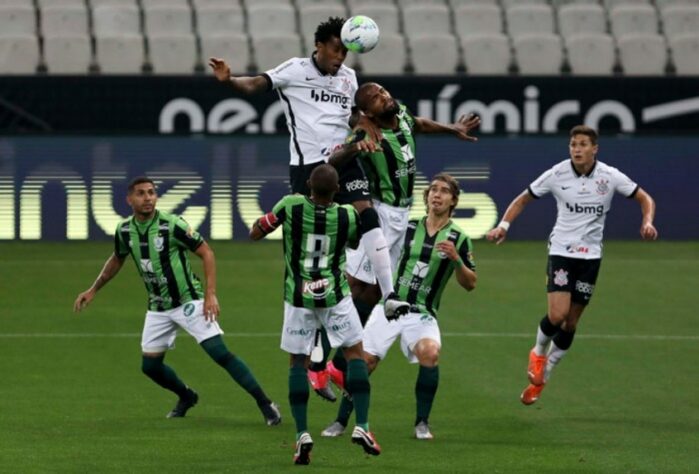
(267, 223)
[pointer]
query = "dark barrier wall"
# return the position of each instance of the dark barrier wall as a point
(199, 104)
(74, 188)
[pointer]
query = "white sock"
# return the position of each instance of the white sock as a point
(554, 357)
(542, 342)
(376, 249)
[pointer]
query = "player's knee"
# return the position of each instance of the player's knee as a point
(427, 352)
(298, 360)
(369, 219)
(371, 362)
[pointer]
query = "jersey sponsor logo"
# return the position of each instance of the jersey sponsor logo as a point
(421, 269)
(597, 209)
(602, 186)
(188, 309)
(560, 277)
(152, 279)
(160, 299)
(327, 151)
(299, 331)
(415, 284)
(318, 289)
(575, 248)
(403, 172)
(584, 287)
(323, 96)
(158, 242)
(357, 184)
(426, 319)
(339, 327)
(565, 187)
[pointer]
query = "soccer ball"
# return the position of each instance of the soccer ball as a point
(360, 34)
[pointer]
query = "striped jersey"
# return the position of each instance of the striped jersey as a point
(423, 272)
(315, 238)
(391, 168)
(159, 248)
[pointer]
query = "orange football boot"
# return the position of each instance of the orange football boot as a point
(531, 394)
(536, 368)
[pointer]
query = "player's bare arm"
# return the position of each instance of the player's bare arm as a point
(465, 276)
(109, 271)
(460, 128)
(515, 208)
(349, 151)
(648, 230)
(211, 306)
(360, 121)
(245, 84)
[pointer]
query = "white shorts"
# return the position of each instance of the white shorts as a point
(160, 328)
(300, 324)
(394, 222)
(380, 333)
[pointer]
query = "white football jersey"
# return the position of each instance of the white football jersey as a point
(583, 202)
(317, 107)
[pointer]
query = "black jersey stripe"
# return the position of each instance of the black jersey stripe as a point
(340, 243)
(444, 266)
(409, 235)
(144, 250)
(182, 254)
(296, 237)
(293, 126)
(320, 219)
(425, 256)
(166, 266)
(403, 141)
(392, 165)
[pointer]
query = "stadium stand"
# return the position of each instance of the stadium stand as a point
(487, 54)
(590, 54)
(385, 15)
(642, 54)
(685, 53)
(389, 57)
(434, 54)
(67, 54)
(477, 19)
(538, 54)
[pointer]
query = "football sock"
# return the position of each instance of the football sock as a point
(425, 390)
(235, 367)
(561, 343)
(544, 333)
(339, 361)
(376, 248)
(298, 397)
(325, 344)
(363, 310)
(345, 411)
(358, 386)
(163, 375)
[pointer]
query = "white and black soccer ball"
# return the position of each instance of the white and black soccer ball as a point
(360, 34)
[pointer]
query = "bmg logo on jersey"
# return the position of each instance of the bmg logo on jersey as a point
(323, 96)
(597, 209)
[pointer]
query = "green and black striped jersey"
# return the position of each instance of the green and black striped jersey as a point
(315, 238)
(159, 248)
(423, 272)
(391, 169)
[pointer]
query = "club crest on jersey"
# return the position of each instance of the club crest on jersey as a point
(147, 265)
(188, 309)
(318, 289)
(560, 277)
(158, 242)
(421, 269)
(602, 186)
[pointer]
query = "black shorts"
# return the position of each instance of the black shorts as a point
(354, 185)
(572, 275)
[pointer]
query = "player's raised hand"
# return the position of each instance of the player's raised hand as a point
(83, 300)
(496, 235)
(649, 232)
(211, 307)
(220, 69)
(465, 124)
(447, 248)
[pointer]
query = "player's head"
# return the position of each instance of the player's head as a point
(330, 52)
(142, 196)
(442, 195)
(324, 182)
(376, 102)
(583, 145)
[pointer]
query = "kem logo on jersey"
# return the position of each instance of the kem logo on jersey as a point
(598, 210)
(331, 98)
(318, 289)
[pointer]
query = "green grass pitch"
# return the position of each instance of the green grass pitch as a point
(625, 399)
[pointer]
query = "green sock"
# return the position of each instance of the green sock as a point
(163, 375)
(339, 360)
(344, 412)
(298, 397)
(235, 367)
(425, 389)
(357, 384)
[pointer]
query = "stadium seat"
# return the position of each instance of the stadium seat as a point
(685, 54)
(111, 20)
(462, 3)
(303, 3)
(663, 4)
(99, 3)
(173, 53)
(561, 3)
(271, 51)
(353, 4)
(220, 20)
(477, 19)
(410, 3)
(385, 15)
(58, 21)
(164, 3)
(254, 3)
(487, 54)
(434, 54)
(633, 19)
(426, 19)
(388, 58)
(17, 21)
(60, 3)
(529, 19)
(67, 54)
(642, 54)
(19, 54)
(311, 15)
(122, 54)
(271, 20)
(18, 3)
(611, 4)
(538, 54)
(678, 20)
(590, 54)
(507, 4)
(215, 3)
(574, 19)
(163, 20)
(233, 47)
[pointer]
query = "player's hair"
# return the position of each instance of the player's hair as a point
(324, 181)
(453, 188)
(584, 130)
(328, 29)
(139, 180)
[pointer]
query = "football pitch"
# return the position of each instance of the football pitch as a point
(625, 398)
